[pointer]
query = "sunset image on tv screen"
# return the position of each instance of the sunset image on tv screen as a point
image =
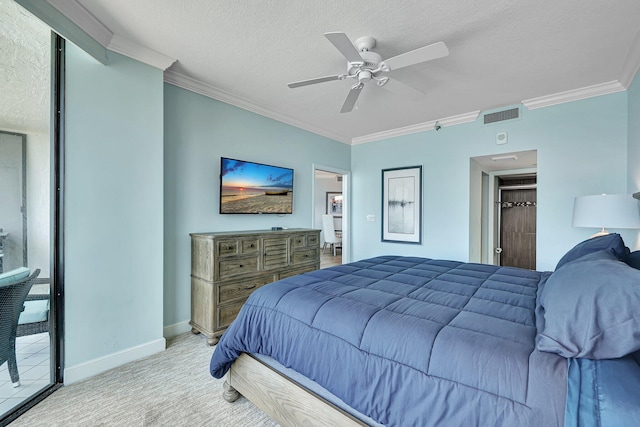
(254, 188)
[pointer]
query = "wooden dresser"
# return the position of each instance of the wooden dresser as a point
(226, 267)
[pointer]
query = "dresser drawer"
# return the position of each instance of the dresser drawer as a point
(227, 247)
(240, 290)
(298, 241)
(313, 240)
(226, 314)
(249, 246)
(236, 266)
(304, 256)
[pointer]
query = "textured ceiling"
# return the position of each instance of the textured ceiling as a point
(501, 53)
(24, 70)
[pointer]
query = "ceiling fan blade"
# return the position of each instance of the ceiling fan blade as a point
(352, 97)
(313, 81)
(423, 54)
(344, 45)
(403, 89)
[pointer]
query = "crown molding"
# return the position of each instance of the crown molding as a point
(193, 85)
(67, 28)
(574, 95)
(632, 64)
(140, 53)
(420, 127)
(91, 25)
(80, 16)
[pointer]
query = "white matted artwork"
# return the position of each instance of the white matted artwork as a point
(402, 205)
(334, 204)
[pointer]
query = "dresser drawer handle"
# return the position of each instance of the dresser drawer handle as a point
(246, 288)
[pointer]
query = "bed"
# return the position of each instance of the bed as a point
(402, 341)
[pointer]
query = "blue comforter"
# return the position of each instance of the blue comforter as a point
(410, 341)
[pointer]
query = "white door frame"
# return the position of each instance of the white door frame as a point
(346, 197)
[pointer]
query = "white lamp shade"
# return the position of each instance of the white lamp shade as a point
(606, 210)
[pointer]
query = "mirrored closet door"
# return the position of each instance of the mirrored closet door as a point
(26, 361)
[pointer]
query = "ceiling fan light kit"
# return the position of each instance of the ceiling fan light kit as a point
(365, 65)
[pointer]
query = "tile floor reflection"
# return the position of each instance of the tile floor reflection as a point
(33, 354)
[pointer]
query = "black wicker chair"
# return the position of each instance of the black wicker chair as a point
(12, 297)
(30, 327)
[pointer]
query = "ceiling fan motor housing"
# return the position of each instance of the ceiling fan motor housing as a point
(371, 62)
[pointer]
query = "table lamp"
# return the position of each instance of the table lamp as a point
(606, 210)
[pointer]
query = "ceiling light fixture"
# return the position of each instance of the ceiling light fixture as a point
(506, 157)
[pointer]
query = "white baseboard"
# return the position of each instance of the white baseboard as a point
(93, 367)
(176, 329)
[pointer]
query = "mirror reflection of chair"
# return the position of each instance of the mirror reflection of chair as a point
(330, 236)
(14, 287)
(34, 319)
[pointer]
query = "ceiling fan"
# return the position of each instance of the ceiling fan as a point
(364, 65)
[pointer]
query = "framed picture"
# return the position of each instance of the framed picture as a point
(334, 204)
(402, 205)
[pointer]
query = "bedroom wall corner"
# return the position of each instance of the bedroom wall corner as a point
(113, 212)
(198, 131)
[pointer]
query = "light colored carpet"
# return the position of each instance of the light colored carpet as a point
(172, 388)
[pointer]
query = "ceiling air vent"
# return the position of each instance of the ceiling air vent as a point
(501, 115)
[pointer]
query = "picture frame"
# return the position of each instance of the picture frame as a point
(334, 204)
(402, 205)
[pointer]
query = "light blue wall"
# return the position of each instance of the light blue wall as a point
(633, 146)
(582, 149)
(113, 206)
(198, 131)
(633, 156)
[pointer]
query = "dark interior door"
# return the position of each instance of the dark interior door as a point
(518, 228)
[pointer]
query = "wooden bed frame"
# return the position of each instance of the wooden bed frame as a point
(283, 399)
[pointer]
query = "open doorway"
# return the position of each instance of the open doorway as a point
(331, 209)
(503, 209)
(516, 211)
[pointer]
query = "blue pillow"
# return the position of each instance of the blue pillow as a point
(608, 241)
(634, 259)
(591, 308)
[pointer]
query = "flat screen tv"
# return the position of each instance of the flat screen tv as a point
(255, 188)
